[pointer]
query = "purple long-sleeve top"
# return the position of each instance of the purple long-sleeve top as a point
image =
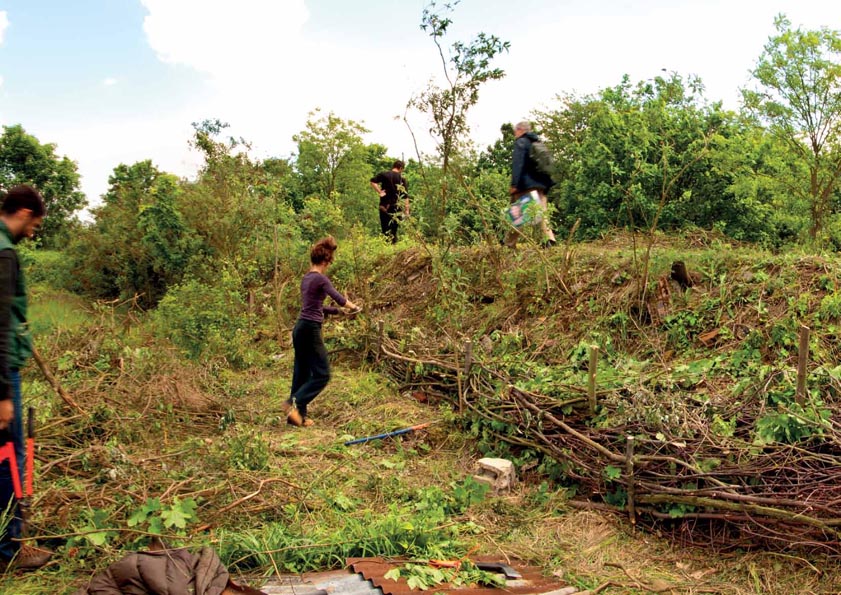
(315, 287)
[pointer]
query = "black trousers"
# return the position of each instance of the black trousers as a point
(388, 223)
(312, 370)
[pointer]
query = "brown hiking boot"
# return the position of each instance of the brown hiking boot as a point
(293, 417)
(29, 557)
(308, 422)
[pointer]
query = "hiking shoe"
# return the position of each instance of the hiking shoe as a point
(28, 557)
(293, 417)
(308, 422)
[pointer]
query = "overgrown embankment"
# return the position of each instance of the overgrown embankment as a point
(694, 422)
(192, 448)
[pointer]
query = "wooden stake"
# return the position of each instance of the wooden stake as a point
(802, 364)
(629, 471)
(591, 378)
(380, 333)
(468, 357)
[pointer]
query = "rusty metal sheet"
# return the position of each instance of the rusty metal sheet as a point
(532, 582)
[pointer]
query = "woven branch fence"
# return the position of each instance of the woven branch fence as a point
(694, 485)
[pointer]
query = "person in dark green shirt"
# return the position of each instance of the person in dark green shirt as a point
(21, 214)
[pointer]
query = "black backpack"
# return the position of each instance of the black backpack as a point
(541, 157)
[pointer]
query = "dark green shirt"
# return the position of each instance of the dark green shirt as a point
(15, 341)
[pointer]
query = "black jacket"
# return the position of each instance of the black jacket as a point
(523, 174)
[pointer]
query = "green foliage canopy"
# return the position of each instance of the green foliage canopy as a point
(25, 160)
(798, 93)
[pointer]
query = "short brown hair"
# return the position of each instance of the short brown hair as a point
(21, 197)
(398, 165)
(323, 250)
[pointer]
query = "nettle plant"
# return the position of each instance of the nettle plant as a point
(156, 517)
(465, 574)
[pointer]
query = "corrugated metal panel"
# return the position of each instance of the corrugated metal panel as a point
(338, 582)
(532, 582)
(366, 576)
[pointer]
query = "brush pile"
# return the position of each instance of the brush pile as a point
(713, 448)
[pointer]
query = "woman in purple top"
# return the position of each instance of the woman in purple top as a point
(312, 370)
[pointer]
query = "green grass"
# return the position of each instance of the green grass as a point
(54, 312)
(158, 425)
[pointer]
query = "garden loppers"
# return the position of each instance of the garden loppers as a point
(7, 451)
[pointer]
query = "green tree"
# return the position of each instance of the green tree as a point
(329, 149)
(121, 255)
(377, 157)
(334, 164)
(466, 67)
(25, 160)
(166, 237)
(644, 156)
(798, 94)
(497, 157)
(233, 208)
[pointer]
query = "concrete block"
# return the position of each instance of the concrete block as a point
(499, 474)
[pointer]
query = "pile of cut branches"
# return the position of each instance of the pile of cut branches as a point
(673, 470)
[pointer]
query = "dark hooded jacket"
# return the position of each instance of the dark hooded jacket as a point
(167, 572)
(524, 175)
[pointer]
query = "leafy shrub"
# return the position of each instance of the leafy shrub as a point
(205, 320)
(48, 267)
(155, 517)
(781, 427)
(321, 217)
(246, 450)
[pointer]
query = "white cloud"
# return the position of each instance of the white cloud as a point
(100, 146)
(266, 75)
(109, 82)
(225, 37)
(4, 24)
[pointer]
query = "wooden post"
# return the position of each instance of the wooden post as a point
(591, 378)
(629, 471)
(468, 357)
(380, 334)
(802, 364)
(459, 373)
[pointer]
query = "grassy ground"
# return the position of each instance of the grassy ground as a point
(327, 488)
(198, 452)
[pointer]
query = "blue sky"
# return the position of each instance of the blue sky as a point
(113, 81)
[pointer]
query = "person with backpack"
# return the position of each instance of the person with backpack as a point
(531, 166)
